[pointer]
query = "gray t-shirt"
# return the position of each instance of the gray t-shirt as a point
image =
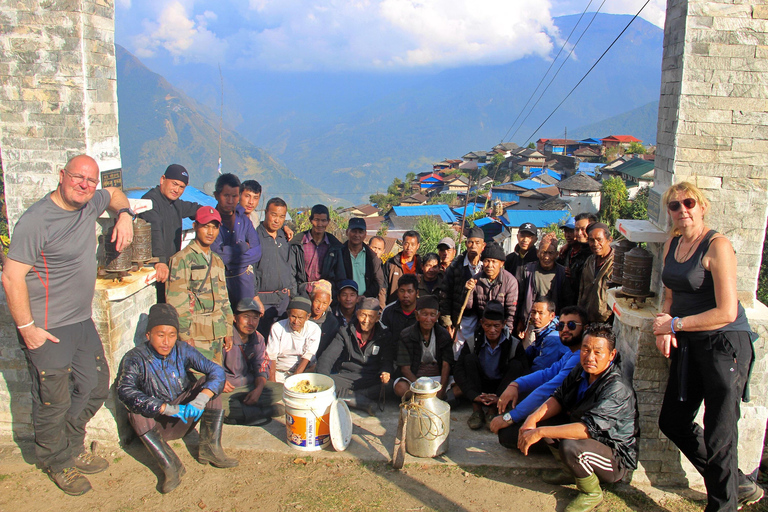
(61, 247)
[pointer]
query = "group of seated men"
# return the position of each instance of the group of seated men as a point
(255, 303)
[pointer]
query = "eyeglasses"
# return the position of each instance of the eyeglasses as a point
(570, 324)
(688, 202)
(79, 178)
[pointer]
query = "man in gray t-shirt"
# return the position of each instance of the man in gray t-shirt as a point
(49, 279)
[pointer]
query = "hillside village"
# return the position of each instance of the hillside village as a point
(508, 185)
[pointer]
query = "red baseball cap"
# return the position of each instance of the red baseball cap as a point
(206, 214)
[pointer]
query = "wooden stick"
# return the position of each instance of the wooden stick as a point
(461, 315)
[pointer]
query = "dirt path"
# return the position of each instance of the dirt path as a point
(267, 481)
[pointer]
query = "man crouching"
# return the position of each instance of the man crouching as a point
(164, 403)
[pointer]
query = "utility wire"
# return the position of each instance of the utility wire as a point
(558, 69)
(547, 72)
(588, 71)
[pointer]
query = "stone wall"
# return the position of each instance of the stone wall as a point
(58, 93)
(713, 119)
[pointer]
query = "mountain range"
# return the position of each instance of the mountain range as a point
(349, 134)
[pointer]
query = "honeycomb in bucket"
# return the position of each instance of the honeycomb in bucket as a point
(304, 386)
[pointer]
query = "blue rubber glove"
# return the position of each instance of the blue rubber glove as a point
(176, 411)
(193, 413)
(196, 406)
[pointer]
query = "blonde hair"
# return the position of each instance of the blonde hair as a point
(688, 189)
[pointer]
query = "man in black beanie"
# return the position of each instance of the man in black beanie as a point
(164, 403)
(165, 217)
(487, 364)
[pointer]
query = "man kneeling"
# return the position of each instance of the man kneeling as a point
(164, 403)
(364, 351)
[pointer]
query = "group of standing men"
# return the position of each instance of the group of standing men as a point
(483, 317)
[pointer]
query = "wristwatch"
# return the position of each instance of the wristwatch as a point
(678, 324)
(126, 210)
(507, 417)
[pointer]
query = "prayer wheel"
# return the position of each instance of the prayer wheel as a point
(638, 267)
(619, 250)
(142, 241)
(116, 261)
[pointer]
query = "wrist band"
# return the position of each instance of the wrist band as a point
(672, 325)
(25, 325)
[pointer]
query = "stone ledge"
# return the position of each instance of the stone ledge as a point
(129, 285)
(641, 231)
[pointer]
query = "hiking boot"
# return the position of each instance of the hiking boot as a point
(749, 494)
(70, 480)
(476, 421)
(590, 495)
(89, 464)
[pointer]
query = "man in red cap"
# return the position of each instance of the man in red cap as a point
(197, 289)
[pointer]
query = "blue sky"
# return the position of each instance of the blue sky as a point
(350, 35)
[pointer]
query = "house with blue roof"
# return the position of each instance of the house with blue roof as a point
(440, 210)
(512, 219)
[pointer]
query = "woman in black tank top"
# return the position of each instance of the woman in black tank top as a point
(704, 330)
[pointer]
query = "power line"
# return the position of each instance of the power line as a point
(546, 73)
(589, 70)
(558, 69)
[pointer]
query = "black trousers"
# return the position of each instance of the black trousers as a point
(586, 456)
(717, 371)
(473, 381)
(70, 381)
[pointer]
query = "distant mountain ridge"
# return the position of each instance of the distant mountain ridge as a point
(640, 122)
(160, 125)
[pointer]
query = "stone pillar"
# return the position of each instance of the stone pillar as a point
(58, 96)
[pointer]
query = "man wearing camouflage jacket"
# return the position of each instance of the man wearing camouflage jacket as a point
(197, 289)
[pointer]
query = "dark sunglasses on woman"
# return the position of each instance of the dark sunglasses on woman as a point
(570, 324)
(688, 202)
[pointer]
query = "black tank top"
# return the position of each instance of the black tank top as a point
(693, 290)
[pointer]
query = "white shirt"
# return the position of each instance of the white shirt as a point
(286, 347)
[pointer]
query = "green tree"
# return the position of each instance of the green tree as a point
(638, 207)
(531, 145)
(611, 154)
(410, 177)
(396, 188)
(636, 148)
(432, 231)
(614, 200)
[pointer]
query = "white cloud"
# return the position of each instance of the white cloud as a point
(182, 36)
(654, 12)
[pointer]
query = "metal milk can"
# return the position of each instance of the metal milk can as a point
(428, 420)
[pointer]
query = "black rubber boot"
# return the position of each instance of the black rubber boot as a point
(210, 451)
(166, 458)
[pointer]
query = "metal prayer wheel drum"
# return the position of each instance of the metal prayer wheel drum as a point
(429, 420)
(142, 241)
(619, 250)
(638, 267)
(116, 261)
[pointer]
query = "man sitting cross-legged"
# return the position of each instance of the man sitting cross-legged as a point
(293, 342)
(488, 363)
(363, 350)
(424, 349)
(165, 403)
(248, 396)
(525, 394)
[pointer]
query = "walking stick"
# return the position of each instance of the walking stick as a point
(461, 315)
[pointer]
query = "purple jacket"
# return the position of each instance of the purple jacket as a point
(246, 360)
(503, 289)
(238, 249)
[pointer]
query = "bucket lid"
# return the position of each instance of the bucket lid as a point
(425, 385)
(340, 423)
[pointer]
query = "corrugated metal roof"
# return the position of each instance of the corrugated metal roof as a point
(539, 218)
(529, 184)
(472, 208)
(637, 168)
(441, 210)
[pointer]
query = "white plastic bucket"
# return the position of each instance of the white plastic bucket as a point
(307, 415)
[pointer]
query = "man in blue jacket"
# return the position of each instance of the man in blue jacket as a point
(544, 348)
(539, 385)
(165, 403)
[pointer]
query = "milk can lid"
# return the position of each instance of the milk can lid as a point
(425, 385)
(340, 423)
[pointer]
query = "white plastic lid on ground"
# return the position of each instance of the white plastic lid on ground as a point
(340, 424)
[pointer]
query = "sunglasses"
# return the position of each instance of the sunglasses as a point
(570, 324)
(688, 202)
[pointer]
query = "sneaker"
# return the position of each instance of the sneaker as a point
(475, 422)
(88, 463)
(70, 480)
(749, 494)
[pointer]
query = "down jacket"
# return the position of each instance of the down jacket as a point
(503, 289)
(608, 409)
(368, 362)
(148, 380)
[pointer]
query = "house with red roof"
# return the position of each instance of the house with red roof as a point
(622, 141)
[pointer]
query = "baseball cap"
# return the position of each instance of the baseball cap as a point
(177, 172)
(447, 241)
(348, 283)
(570, 223)
(527, 227)
(357, 223)
(249, 305)
(206, 214)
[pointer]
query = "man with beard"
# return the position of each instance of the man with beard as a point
(404, 263)
(237, 244)
(574, 259)
(537, 387)
(459, 272)
(364, 353)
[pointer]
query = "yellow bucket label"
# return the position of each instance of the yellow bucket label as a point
(307, 432)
